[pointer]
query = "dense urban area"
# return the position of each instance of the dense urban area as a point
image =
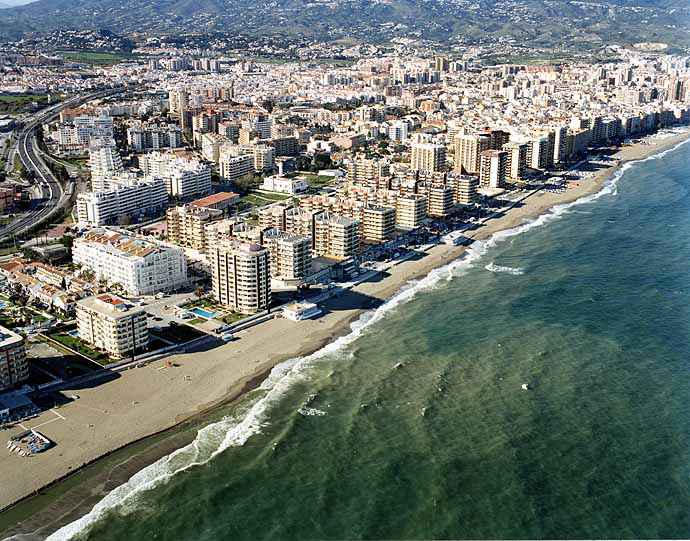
(170, 196)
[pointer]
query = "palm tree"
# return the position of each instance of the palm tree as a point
(199, 292)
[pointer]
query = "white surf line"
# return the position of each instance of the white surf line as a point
(238, 431)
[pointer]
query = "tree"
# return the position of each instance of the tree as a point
(246, 183)
(67, 241)
(199, 292)
(28, 253)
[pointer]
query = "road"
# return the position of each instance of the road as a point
(52, 193)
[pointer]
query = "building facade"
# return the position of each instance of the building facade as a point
(111, 324)
(241, 276)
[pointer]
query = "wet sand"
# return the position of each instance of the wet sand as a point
(145, 401)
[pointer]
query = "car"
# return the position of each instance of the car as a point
(156, 318)
(74, 397)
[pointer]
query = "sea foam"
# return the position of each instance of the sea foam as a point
(235, 431)
(515, 271)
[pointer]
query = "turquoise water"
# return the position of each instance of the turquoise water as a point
(204, 313)
(416, 427)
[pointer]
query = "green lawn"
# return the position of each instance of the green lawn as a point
(205, 302)
(19, 103)
(196, 321)
(273, 196)
(99, 59)
(232, 317)
(261, 199)
(77, 345)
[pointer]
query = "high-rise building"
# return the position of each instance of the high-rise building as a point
(397, 131)
(273, 216)
(378, 223)
(232, 165)
(410, 211)
(492, 173)
(185, 176)
(538, 153)
(14, 368)
(126, 203)
(186, 225)
(290, 254)
(468, 149)
(516, 160)
(428, 157)
(299, 221)
(441, 63)
(439, 198)
(141, 267)
(104, 161)
(156, 137)
(111, 324)
(241, 276)
(464, 188)
(361, 170)
(336, 236)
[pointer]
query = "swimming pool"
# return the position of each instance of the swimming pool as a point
(74, 333)
(204, 313)
(2, 304)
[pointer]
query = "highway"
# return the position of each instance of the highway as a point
(53, 196)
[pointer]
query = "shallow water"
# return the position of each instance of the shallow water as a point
(416, 426)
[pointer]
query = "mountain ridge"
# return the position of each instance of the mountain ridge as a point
(540, 22)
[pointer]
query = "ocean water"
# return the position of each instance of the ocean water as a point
(415, 426)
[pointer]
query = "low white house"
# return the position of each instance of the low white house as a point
(285, 185)
(300, 311)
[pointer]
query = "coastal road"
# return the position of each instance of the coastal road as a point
(53, 196)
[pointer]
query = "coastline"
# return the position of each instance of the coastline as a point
(221, 375)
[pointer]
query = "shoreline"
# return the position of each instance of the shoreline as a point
(287, 340)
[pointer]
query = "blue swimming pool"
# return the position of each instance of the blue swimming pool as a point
(74, 333)
(2, 304)
(204, 313)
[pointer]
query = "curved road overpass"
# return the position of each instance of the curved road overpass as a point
(52, 193)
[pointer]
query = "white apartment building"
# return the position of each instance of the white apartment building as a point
(241, 276)
(143, 137)
(233, 166)
(140, 266)
(538, 153)
(84, 127)
(104, 161)
(113, 325)
(109, 207)
(185, 176)
(398, 131)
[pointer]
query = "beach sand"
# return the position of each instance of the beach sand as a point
(147, 400)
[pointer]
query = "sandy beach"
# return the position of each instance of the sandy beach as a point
(147, 400)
